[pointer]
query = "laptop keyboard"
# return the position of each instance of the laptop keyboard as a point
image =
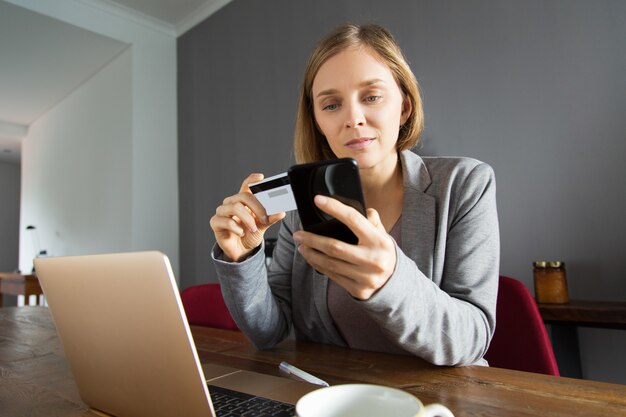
(228, 403)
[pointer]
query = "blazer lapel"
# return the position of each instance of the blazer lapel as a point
(418, 213)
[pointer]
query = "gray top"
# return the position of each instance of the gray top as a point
(440, 302)
(357, 328)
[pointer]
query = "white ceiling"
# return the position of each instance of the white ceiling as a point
(43, 60)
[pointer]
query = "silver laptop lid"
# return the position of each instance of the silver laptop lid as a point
(125, 334)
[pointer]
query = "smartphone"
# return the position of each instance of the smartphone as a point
(336, 178)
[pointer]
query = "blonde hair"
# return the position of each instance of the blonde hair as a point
(309, 143)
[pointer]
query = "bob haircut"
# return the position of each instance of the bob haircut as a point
(309, 143)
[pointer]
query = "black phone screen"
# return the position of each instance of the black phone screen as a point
(336, 178)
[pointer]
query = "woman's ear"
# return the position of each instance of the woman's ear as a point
(407, 107)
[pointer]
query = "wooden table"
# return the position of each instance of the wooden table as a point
(603, 314)
(35, 379)
(565, 320)
(18, 284)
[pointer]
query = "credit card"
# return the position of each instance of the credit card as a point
(274, 193)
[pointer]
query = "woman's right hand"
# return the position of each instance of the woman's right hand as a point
(241, 221)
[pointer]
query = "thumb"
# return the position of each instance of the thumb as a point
(271, 220)
(374, 219)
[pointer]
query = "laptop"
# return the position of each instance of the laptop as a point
(124, 331)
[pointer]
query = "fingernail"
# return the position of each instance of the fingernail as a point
(297, 238)
(265, 220)
(253, 229)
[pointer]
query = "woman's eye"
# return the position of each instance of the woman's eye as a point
(372, 99)
(330, 107)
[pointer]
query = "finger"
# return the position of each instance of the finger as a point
(220, 224)
(256, 206)
(374, 219)
(275, 218)
(333, 255)
(340, 272)
(347, 215)
(255, 177)
(356, 255)
(252, 204)
(359, 261)
(240, 213)
(323, 263)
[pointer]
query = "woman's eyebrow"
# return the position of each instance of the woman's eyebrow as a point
(328, 92)
(366, 83)
(371, 82)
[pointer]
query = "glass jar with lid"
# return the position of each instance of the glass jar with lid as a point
(550, 280)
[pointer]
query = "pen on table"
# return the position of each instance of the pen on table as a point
(305, 376)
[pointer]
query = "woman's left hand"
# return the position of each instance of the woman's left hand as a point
(361, 269)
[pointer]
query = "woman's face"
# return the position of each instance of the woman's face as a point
(359, 107)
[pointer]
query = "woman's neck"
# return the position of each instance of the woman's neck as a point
(383, 190)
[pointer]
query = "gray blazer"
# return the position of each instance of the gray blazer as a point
(440, 302)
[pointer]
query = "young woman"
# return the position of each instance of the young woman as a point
(423, 278)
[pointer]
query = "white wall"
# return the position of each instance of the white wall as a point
(151, 221)
(76, 164)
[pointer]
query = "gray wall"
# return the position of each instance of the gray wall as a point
(9, 215)
(535, 88)
(9, 219)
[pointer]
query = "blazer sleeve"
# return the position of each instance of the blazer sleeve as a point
(449, 319)
(261, 308)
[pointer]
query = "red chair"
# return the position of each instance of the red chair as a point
(204, 306)
(520, 341)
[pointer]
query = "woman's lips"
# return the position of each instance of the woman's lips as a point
(359, 143)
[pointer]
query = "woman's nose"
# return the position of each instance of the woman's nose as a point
(355, 116)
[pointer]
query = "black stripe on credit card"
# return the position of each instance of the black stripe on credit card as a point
(270, 185)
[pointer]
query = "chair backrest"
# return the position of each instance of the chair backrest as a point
(520, 341)
(204, 306)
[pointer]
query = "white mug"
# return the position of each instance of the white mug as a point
(365, 400)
